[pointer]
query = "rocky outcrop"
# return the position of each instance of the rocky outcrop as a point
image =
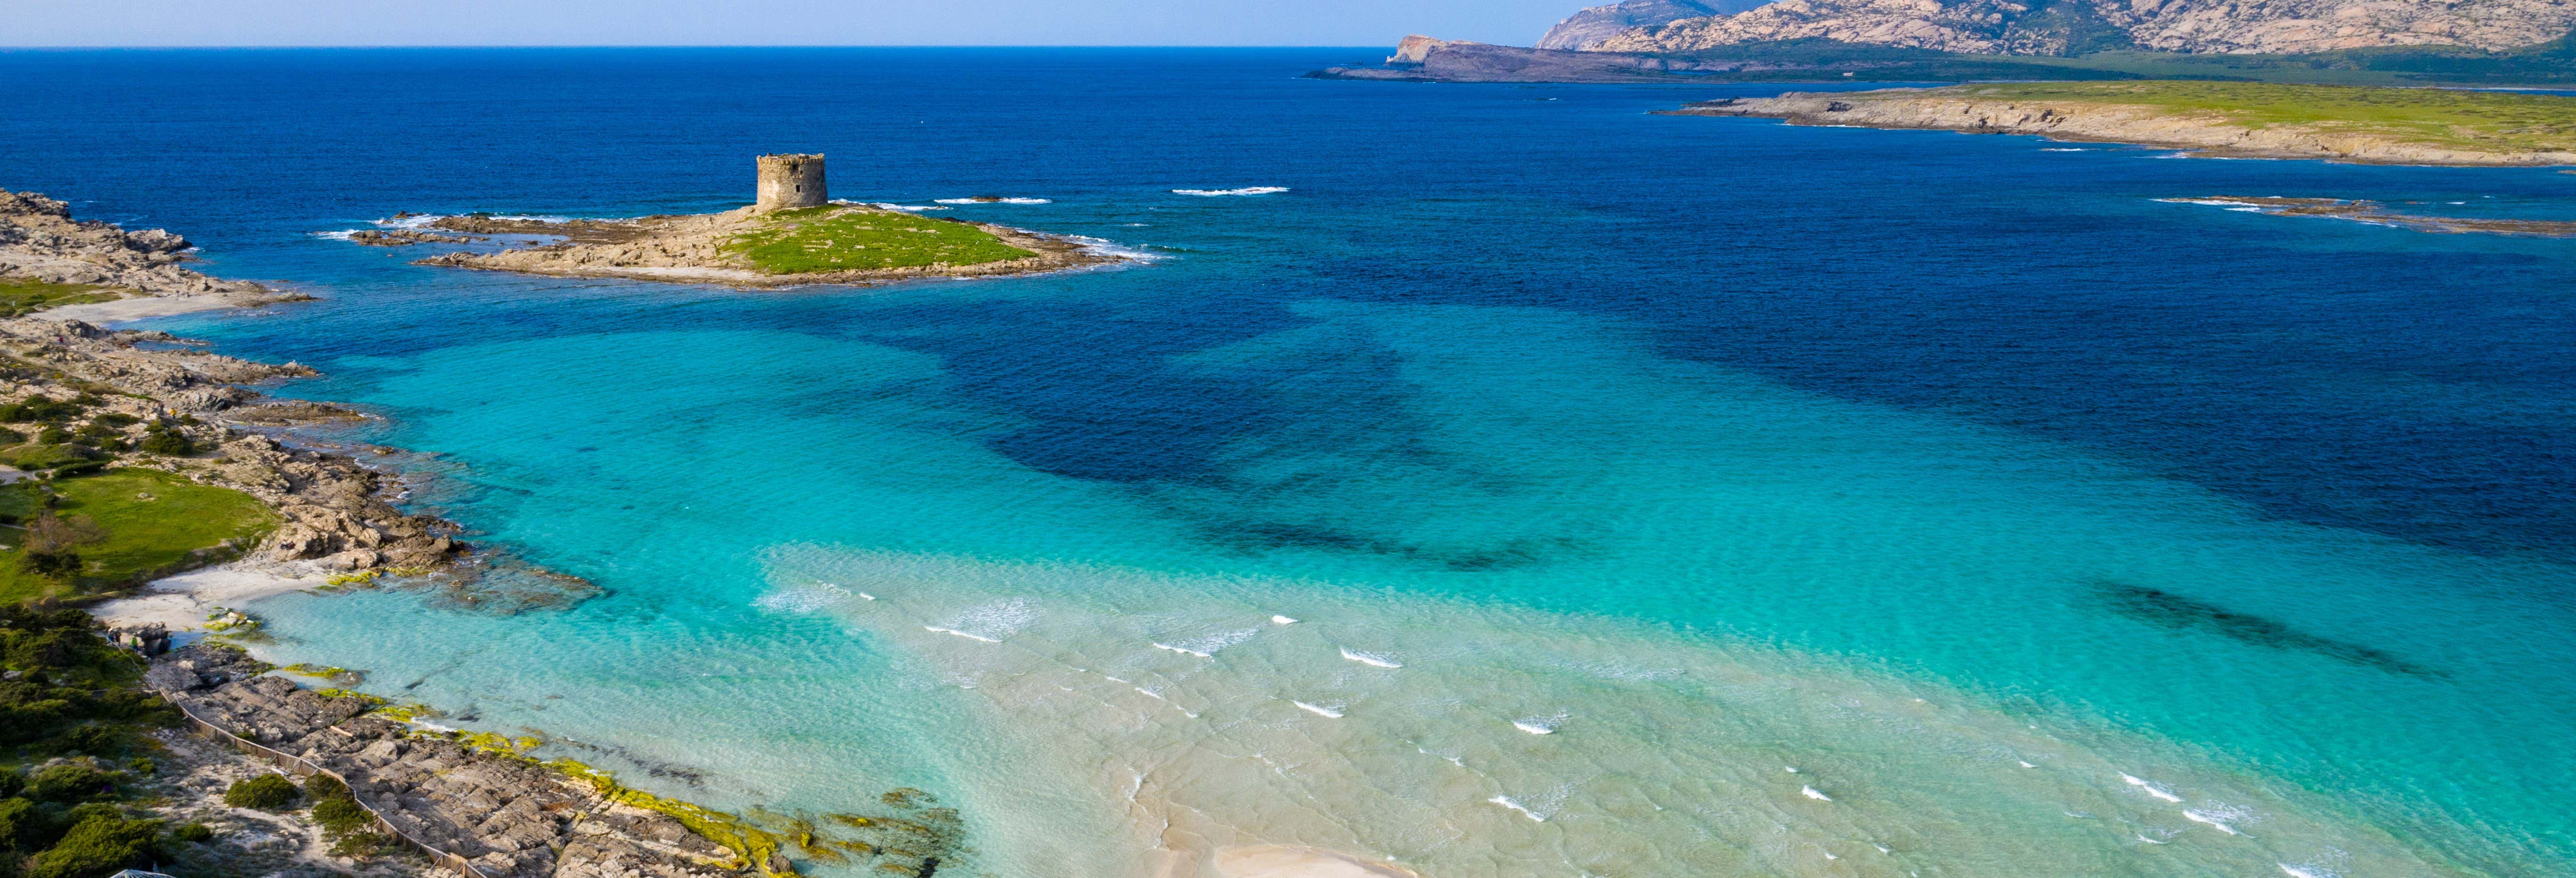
(510, 817)
(692, 249)
(1963, 108)
(405, 238)
(332, 508)
(1590, 26)
(40, 240)
(2374, 213)
(1414, 48)
(2056, 27)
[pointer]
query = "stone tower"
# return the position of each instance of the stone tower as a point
(790, 180)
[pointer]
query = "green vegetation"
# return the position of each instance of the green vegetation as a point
(19, 296)
(2476, 120)
(812, 239)
(75, 707)
(96, 846)
(2104, 55)
(348, 826)
(267, 792)
(116, 528)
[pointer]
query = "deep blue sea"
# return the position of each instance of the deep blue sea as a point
(1650, 495)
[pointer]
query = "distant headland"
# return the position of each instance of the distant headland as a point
(2244, 119)
(793, 235)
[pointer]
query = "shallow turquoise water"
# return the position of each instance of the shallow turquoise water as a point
(1706, 446)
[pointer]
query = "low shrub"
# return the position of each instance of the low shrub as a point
(99, 845)
(193, 832)
(360, 845)
(267, 792)
(341, 815)
(323, 787)
(21, 826)
(166, 442)
(70, 782)
(40, 408)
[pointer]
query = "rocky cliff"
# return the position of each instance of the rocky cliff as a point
(1589, 27)
(2060, 27)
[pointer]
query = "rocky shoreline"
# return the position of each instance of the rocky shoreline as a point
(332, 508)
(1963, 110)
(697, 249)
(477, 796)
(505, 816)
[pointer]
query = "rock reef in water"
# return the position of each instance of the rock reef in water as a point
(704, 248)
(1978, 110)
(2374, 213)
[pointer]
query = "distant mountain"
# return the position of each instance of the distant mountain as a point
(2074, 27)
(1583, 29)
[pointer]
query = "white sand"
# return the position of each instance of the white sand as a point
(180, 603)
(1288, 862)
(136, 308)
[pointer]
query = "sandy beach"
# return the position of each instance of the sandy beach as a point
(137, 308)
(181, 602)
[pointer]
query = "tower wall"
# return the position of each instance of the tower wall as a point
(791, 180)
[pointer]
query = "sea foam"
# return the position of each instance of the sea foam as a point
(1214, 193)
(1371, 659)
(1507, 802)
(2152, 789)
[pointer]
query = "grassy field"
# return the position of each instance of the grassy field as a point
(135, 536)
(812, 239)
(2483, 120)
(22, 296)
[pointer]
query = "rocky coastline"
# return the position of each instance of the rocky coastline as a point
(701, 248)
(332, 508)
(1964, 109)
(477, 796)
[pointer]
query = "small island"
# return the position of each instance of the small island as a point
(793, 236)
(2364, 124)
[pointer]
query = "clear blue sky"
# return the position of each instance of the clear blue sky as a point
(770, 22)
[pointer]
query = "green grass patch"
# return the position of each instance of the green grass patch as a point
(19, 296)
(2480, 120)
(815, 239)
(135, 538)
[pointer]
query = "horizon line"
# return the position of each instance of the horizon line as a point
(261, 46)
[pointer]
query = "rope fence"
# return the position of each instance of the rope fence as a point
(302, 767)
